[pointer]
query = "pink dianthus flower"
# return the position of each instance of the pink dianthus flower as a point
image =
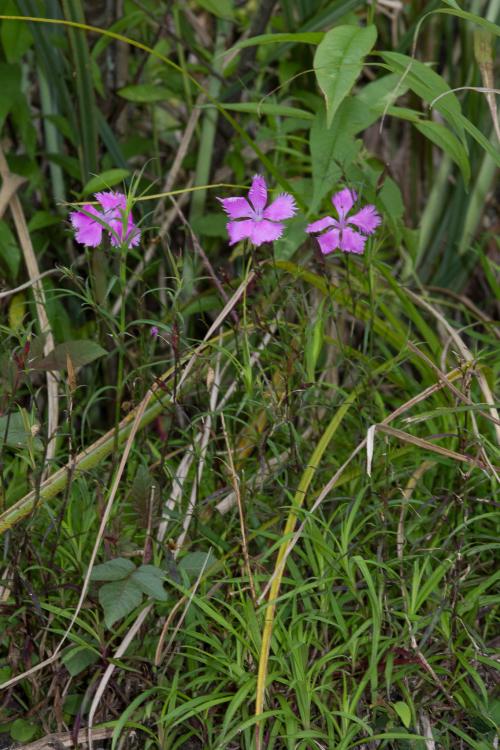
(259, 223)
(113, 208)
(342, 236)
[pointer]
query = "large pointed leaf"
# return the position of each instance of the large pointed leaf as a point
(150, 580)
(339, 60)
(118, 599)
(105, 180)
(113, 570)
(80, 352)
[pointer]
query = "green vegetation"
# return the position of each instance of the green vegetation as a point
(249, 494)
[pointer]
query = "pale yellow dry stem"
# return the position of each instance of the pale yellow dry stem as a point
(111, 667)
(10, 184)
(467, 355)
(236, 488)
(65, 739)
(407, 493)
(205, 436)
(26, 285)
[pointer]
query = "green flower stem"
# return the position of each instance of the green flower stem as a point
(121, 344)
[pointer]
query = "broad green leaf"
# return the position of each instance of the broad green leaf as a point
(150, 580)
(220, 8)
(105, 180)
(113, 570)
(332, 147)
(448, 142)
(42, 219)
(118, 599)
(427, 84)
(339, 61)
(145, 92)
(404, 713)
(293, 238)
(16, 35)
(21, 430)
(141, 487)
(329, 147)
(380, 93)
(210, 225)
(265, 108)
(10, 76)
(391, 199)
(23, 730)
(390, 202)
(79, 658)
(10, 254)
(81, 352)
(194, 562)
(17, 310)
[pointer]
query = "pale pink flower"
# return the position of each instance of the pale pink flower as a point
(341, 236)
(113, 207)
(258, 223)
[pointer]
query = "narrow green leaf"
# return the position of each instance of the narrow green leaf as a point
(10, 254)
(105, 180)
(74, 12)
(427, 84)
(42, 219)
(265, 108)
(472, 17)
(448, 142)
(311, 37)
(339, 61)
(145, 92)
(16, 36)
(10, 76)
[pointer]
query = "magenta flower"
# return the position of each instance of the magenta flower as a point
(112, 212)
(259, 224)
(341, 236)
